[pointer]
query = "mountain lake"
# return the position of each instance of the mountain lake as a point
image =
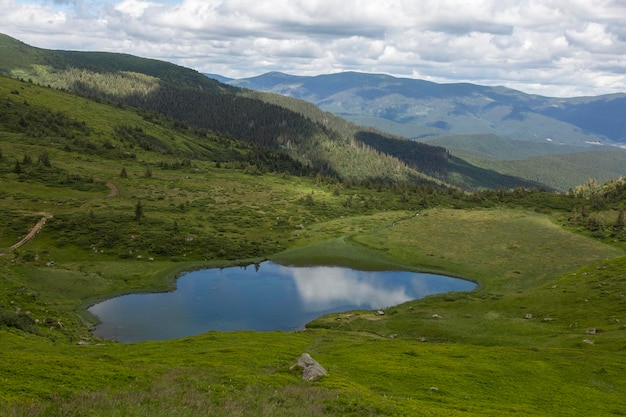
(263, 297)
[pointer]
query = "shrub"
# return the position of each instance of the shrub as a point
(18, 321)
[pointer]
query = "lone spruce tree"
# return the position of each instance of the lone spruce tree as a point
(138, 211)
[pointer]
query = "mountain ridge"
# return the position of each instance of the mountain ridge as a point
(433, 109)
(469, 121)
(188, 96)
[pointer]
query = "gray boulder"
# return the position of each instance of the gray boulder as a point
(311, 369)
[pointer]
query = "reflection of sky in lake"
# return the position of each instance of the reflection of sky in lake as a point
(272, 298)
(322, 287)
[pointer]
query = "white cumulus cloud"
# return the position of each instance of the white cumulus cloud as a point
(551, 47)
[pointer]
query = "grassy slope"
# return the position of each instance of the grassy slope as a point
(119, 77)
(558, 167)
(561, 172)
(480, 358)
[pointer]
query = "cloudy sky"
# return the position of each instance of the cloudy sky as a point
(550, 47)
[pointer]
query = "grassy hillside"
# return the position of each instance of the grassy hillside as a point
(186, 95)
(560, 172)
(433, 160)
(324, 143)
(52, 67)
(496, 147)
(556, 166)
(131, 199)
(475, 123)
(431, 109)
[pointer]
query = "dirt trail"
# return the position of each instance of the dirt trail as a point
(29, 236)
(112, 190)
(112, 193)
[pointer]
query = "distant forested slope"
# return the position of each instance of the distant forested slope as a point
(323, 144)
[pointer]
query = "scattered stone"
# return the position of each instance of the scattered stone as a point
(436, 316)
(422, 339)
(548, 319)
(433, 389)
(591, 330)
(82, 343)
(380, 313)
(587, 341)
(311, 369)
(528, 316)
(393, 336)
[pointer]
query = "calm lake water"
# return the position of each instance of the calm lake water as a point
(270, 297)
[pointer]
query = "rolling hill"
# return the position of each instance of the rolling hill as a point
(320, 141)
(430, 109)
(486, 126)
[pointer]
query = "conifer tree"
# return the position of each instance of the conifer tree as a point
(44, 159)
(138, 211)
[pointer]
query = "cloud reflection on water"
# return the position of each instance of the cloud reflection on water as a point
(323, 287)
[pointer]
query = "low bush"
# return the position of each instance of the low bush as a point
(17, 320)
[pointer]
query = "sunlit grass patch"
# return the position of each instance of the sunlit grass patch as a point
(504, 250)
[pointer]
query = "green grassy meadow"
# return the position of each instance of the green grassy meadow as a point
(520, 344)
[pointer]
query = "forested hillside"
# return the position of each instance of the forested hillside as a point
(426, 108)
(503, 132)
(321, 143)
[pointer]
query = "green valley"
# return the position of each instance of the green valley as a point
(132, 197)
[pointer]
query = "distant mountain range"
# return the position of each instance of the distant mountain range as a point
(417, 109)
(560, 142)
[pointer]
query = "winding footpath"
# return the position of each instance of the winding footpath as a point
(112, 190)
(33, 231)
(29, 236)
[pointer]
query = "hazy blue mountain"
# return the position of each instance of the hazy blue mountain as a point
(418, 108)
